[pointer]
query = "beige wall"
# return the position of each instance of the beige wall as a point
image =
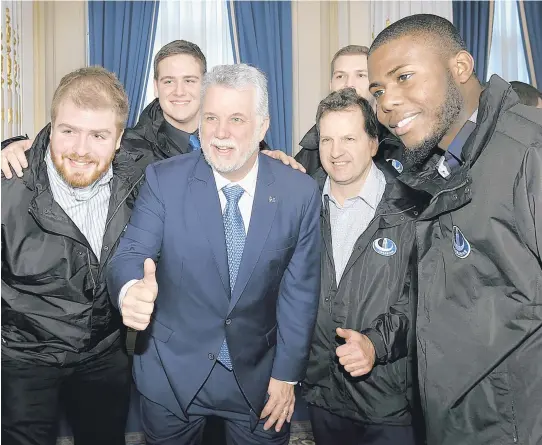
(356, 18)
(319, 30)
(310, 40)
(60, 46)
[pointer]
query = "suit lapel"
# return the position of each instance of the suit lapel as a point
(205, 196)
(261, 220)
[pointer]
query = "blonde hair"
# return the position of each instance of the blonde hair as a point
(92, 88)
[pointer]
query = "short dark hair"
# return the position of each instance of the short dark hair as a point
(441, 32)
(179, 47)
(346, 100)
(528, 95)
(350, 50)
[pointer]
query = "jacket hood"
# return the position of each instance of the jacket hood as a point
(150, 120)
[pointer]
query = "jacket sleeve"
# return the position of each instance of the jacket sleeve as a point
(390, 332)
(297, 304)
(141, 240)
(528, 200)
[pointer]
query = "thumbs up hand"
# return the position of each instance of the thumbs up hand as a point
(138, 303)
(358, 354)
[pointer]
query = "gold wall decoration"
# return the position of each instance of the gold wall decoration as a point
(10, 64)
(8, 46)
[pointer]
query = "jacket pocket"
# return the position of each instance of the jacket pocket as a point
(504, 401)
(399, 375)
(279, 243)
(271, 336)
(159, 331)
(486, 412)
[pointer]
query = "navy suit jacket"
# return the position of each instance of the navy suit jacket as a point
(268, 321)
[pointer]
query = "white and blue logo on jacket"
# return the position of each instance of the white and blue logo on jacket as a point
(384, 246)
(460, 244)
(396, 165)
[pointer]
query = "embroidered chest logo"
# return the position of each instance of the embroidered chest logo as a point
(460, 244)
(384, 246)
(396, 165)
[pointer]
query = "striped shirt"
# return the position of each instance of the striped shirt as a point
(349, 221)
(87, 207)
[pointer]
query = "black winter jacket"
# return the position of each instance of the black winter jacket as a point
(149, 139)
(376, 296)
(55, 303)
(479, 322)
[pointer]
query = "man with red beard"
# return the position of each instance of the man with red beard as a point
(61, 339)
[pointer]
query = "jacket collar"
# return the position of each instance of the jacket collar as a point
(497, 98)
(150, 119)
(152, 126)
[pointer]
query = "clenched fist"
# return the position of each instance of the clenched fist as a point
(138, 303)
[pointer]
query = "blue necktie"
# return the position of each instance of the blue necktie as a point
(194, 142)
(234, 230)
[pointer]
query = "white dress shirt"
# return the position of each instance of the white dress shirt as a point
(248, 184)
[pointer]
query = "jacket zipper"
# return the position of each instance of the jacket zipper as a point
(374, 219)
(448, 190)
(122, 202)
(118, 207)
(329, 298)
(105, 230)
(90, 269)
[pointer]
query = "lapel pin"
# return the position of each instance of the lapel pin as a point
(272, 199)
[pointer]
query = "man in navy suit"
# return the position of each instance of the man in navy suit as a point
(219, 269)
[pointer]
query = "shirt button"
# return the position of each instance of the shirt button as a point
(454, 196)
(326, 299)
(79, 252)
(106, 247)
(467, 190)
(211, 356)
(228, 321)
